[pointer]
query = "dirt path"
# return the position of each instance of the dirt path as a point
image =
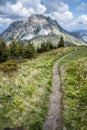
(54, 117)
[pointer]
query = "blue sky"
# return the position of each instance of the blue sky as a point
(70, 14)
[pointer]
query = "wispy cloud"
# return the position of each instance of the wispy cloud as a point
(78, 23)
(82, 7)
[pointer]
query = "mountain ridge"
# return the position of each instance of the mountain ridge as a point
(35, 26)
(80, 34)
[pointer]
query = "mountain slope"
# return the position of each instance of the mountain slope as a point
(24, 93)
(36, 26)
(74, 87)
(80, 35)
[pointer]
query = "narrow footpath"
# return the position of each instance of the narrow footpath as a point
(54, 118)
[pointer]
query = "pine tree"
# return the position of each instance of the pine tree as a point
(21, 49)
(4, 51)
(49, 45)
(42, 48)
(29, 51)
(45, 46)
(61, 42)
(14, 49)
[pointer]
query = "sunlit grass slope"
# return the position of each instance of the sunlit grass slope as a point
(74, 82)
(24, 93)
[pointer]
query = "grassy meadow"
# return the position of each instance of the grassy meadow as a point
(74, 87)
(24, 92)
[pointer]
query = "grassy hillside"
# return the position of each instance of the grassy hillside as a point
(24, 92)
(74, 85)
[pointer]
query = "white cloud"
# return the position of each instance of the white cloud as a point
(19, 10)
(62, 18)
(35, 4)
(62, 15)
(82, 19)
(62, 7)
(55, 5)
(82, 7)
(5, 21)
(23, 8)
(79, 23)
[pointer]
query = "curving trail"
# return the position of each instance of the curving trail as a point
(54, 118)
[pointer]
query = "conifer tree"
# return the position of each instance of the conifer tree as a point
(61, 42)
(14, 49)
(4, 51)
(29, 51)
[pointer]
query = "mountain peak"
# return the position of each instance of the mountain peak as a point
(37, 18)
(33, 16)
(35, 26)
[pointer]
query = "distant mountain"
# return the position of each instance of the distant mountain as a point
(80, 34)
(81, 31)
(38, 28)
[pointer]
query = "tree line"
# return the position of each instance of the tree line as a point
(15, 50)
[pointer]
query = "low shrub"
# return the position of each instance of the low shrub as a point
(8, 66)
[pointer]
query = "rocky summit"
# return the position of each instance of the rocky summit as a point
(38, 27)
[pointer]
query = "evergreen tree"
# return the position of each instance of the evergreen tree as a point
(14, 49)
(21, 48)
(49, 45)
(4, 51)
(61, 42)
(29, 51)
(42, 48)
(45, 46)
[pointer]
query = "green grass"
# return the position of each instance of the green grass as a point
(24, 93)
(74, 85)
